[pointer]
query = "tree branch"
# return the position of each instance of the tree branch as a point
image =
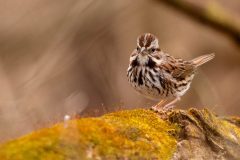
(213, 17)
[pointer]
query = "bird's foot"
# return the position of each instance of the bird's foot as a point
(168, 108)
(156, 109)
(162, 110)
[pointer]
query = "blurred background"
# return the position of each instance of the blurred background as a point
(66, 57)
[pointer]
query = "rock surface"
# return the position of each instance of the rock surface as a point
(133, 134)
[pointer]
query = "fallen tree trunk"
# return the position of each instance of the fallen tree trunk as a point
(133, 134)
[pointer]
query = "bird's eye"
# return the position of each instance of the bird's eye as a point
(138, 48)
(153, 49)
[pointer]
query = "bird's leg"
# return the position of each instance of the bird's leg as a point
(170, 105)
(158, 106)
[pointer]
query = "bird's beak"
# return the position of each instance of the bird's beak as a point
(143, 51)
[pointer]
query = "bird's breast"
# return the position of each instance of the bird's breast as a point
(149, 82)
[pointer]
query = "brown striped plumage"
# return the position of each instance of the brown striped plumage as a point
(157, 75)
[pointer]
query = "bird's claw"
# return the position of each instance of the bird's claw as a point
(168, 108)
(164, 109)
(156, 109)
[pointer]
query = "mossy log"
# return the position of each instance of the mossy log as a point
(133, 134)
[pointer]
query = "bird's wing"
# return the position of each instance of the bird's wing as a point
(178, 68)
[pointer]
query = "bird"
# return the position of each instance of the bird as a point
(159, 76)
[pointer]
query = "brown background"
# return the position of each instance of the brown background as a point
(64, 57)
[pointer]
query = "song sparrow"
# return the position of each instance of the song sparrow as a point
(157, 75)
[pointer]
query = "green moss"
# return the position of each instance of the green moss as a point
(134, 134)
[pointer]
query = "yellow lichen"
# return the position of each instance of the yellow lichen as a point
(134, 134)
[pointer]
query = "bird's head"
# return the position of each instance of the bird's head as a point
(147, 43)
(147, 47)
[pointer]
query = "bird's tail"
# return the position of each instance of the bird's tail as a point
(202, 59)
